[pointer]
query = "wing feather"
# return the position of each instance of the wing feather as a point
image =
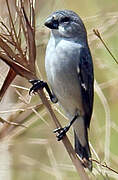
(86, 79)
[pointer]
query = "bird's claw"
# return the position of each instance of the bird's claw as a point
(37, 84)
(61, 132)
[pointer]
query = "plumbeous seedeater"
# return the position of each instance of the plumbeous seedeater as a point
(69, 69)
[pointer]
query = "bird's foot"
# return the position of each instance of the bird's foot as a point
(61, 132)
(37, 85)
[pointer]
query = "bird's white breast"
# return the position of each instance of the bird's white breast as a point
(61, 68)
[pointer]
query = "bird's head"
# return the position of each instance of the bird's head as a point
(66, 24)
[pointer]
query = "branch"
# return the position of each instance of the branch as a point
(97, 33)
(105, 166)
(12, 123)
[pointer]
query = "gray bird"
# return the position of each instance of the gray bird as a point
(69, 69)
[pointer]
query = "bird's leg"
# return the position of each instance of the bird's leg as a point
(62, 131)
(38, 84)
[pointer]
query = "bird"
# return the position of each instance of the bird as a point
(70, 75)
(69, 69)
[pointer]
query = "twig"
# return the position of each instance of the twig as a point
(14, 31)
(97, 33)
(12, 123)
(104, 166)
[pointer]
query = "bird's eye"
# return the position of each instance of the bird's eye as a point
(65, 19)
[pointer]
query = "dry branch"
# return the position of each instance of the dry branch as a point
(105, 166)
(97, 33)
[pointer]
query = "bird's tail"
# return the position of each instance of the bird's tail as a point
(83, 152)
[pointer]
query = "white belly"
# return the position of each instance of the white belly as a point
(63, 79)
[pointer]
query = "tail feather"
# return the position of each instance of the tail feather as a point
(83, 152)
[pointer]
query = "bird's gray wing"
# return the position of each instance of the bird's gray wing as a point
(86, 79)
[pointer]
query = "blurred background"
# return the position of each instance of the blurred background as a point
(33, 153)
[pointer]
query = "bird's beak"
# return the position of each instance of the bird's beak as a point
(51, 23)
